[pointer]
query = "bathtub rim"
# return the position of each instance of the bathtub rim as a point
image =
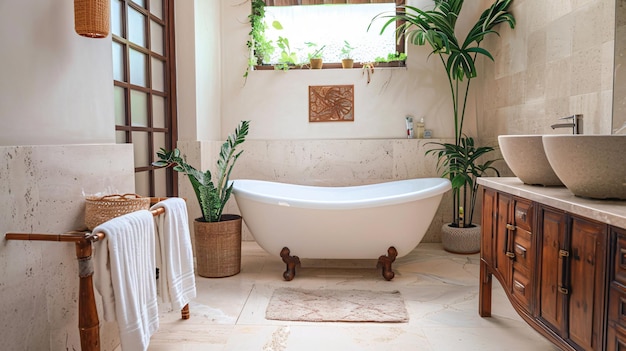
(439, 187)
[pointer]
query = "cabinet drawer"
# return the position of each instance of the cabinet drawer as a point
(620, 258)
(615, 338)
(617, 305)
(523, 215)
(522, 248)
(520, 288)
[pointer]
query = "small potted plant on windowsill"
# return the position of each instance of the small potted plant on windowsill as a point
(315, 57)
(217, 235)
(346, 52)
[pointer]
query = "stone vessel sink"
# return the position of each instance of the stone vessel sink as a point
(592, 166)
(525, 156)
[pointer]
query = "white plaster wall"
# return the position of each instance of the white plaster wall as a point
(198, 70)
(277, 102)
(55, 86)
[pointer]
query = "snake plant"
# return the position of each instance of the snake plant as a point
(211, 197)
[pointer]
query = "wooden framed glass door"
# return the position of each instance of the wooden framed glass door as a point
(142, 34)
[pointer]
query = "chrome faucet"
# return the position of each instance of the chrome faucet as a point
(575, 124)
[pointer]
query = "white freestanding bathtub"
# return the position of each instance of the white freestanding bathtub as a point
(351, 222)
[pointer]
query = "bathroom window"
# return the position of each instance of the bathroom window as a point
(298, 28)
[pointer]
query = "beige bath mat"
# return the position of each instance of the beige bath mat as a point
(325, 305)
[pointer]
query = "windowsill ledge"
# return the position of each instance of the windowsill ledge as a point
(332, 65)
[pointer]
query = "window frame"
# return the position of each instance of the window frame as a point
(400, 42)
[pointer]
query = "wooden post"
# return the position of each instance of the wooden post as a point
(88, 323)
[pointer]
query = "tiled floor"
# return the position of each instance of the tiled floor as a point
(440, 291)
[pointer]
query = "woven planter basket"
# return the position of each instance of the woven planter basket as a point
(218, 247)
(92, 18)
(461, 240)
(101, 209)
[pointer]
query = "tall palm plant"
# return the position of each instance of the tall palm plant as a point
(437, 28)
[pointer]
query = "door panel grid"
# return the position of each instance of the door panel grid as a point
(144, 90)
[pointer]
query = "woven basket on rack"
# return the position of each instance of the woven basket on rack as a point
(100, 209)
(92, 18)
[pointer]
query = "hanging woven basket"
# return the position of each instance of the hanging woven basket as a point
(92, 18)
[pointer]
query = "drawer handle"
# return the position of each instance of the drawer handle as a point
(521, 214)
(520, 287)
(563, 290)
(563, 253)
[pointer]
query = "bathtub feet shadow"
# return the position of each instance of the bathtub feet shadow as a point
(291, 262)
(384, 262)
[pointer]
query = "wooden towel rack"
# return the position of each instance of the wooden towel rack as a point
(88, 323)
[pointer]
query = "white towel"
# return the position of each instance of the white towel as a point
(124, 276)
(177, 282)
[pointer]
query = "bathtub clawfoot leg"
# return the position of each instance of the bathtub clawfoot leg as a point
(291, 262)
(385, 262)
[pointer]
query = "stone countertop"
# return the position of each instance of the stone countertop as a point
(612, 212)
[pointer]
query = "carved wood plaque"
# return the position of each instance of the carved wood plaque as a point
(331, 103)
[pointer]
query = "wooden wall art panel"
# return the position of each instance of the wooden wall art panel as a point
(331, 103)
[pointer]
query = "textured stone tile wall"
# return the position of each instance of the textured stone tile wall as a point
(41, 191)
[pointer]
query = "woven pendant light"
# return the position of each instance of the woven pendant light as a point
(91, 18)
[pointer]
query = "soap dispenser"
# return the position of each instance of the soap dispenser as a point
(419, 128)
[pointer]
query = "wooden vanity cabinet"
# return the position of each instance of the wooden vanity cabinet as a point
(553, 267)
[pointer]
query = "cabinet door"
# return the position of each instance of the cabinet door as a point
(616, 333)
(550, 293)
(587, 267)
(502, 261)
